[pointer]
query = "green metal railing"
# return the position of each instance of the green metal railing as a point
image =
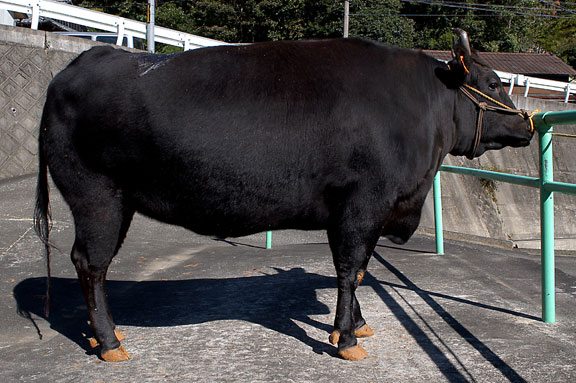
(544, 123)
(268, 239)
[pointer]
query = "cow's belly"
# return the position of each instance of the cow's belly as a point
(230, 213)
(401, 230)
(405, 216)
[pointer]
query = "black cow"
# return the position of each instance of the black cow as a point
(343, 135)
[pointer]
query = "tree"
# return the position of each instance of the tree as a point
(558, 34)
(506, 26)
(135, 10)
(493, 25)
(261, 20)
(380, 20)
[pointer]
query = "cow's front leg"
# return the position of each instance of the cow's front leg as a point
(351, 243)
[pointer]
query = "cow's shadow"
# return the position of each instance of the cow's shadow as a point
(274, 301)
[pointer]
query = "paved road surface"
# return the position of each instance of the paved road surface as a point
(199, 310)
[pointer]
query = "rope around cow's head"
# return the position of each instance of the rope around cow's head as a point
(499, 108)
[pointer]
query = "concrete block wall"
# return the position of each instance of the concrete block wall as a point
(28, 61)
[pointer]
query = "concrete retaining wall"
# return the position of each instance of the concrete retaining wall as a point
(476, 209)
(28, 61)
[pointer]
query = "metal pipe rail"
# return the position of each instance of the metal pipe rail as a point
(103, 21)
(544, 123)
(537, 83)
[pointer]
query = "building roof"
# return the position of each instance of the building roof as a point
(530, 64)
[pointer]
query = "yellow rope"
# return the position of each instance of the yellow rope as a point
(487, 97)
(531, 119)
(564, 135)
(530, 116)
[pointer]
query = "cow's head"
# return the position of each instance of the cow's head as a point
(485, 117)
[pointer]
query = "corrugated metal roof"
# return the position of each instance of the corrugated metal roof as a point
(521, 63)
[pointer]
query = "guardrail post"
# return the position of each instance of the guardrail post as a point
(511, 88)
(120, 31)
(268, 239)
(437, 191)
(35, 15)
(547, 225)
(150, 20)
(527, 89)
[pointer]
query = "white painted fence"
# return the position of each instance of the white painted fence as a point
(527, 82)
(126, 27)
(105, 22)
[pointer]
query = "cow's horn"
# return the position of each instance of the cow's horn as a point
(462, 40)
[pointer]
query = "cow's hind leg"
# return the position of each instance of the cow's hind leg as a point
(101, 223)
(352, 242)
(361, 328)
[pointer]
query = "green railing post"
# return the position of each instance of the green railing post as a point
(437, 191)
(544, 123)
(268, 239)
(547, 224)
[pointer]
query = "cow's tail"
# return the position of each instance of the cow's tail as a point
(42, 216)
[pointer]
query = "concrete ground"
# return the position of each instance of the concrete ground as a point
(199, 310)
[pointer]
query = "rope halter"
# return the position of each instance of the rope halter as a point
(498, 107)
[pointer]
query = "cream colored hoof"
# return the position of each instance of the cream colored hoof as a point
(353, 353)
(116, 355)
(334, 337)
(119, 335)
(360, 277)
(93, 342)
(364, 332)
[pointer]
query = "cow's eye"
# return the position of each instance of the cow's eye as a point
(493, 86)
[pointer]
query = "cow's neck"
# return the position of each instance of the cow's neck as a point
(464, 125)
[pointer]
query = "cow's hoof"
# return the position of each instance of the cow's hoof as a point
(119, 335)
(115, 355)
(93, 342)
(334, 337)
(364, 332)
(360, 277)
(353, 353)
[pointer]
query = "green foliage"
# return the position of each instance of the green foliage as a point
(212, 19)
(261, 20)
(281, 19)
(171, 16)
(499, 26)
(493, 25)
(559, 36)
(379, 20)
(135, 10)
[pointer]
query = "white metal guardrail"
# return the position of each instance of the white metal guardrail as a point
(103, 21)
(537, 83)
(130, 28)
